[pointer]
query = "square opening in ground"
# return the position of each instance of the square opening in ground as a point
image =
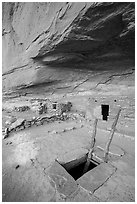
(78, 171)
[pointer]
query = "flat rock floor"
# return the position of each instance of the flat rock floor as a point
(31, 172)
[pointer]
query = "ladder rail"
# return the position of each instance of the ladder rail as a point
(93, 140)
(113, 128)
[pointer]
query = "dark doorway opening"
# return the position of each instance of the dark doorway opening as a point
(54, 106)
(77, 171)
(105, 111)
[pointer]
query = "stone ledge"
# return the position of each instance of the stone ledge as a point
(61, 180)
(95, 178)
(73, 158)
(82, 196)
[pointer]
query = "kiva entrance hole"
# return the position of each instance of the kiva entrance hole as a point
(105, 111)
(77, 171)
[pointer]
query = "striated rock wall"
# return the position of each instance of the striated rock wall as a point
(40, 40)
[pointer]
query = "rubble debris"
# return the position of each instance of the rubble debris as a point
(19, 122)
(50, 107)
(6, 133)
(54, 132)
(42, 108)
(64, 130)
(56, 112)
(70, 128)
(27, 124)
(37, 123)
(21, 127)
(10, 121)
(21, 108)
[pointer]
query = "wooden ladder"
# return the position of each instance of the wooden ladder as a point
(93, 140)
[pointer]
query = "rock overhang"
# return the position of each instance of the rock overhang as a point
(79, 34)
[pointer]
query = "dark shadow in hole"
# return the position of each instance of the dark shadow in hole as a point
(77, 171)
(105, 111)
(54, 106)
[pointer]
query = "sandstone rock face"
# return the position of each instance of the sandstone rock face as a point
(41, 39)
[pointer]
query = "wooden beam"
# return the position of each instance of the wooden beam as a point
(113, 128)
(93, 140)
